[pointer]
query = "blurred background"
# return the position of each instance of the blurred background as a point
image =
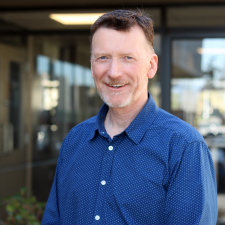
(46, 86)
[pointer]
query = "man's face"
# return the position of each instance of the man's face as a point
(121, 64)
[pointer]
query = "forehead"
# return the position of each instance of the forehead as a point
(110, 39)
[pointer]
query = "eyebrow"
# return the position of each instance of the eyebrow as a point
(128, 53)
(98, 53)
(105, 54)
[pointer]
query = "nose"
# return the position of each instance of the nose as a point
(114, 69)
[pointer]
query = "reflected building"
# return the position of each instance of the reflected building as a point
(186, 66)
(198, 95)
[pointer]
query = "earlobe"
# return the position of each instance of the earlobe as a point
(153, 66)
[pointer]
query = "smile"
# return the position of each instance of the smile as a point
(117, 85)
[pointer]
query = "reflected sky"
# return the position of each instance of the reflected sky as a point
(209, 61)
(198, 80)
(216, 59)
(74, 74)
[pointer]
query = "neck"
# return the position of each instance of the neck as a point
(118, 119)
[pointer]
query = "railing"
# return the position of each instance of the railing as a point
(6, 138)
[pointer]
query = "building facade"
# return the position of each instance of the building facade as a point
(46, 86)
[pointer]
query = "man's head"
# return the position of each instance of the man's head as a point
(124, 20)
(123, 58)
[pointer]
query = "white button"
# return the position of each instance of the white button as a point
(97, 217)
(103, 182)
(110, 148)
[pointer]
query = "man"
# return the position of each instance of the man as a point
(133, 163)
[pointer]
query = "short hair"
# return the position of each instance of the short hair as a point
(124, 20)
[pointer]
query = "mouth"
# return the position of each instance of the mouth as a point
(116, 85)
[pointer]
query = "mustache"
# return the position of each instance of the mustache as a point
(115, 81)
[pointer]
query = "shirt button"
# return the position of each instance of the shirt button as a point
(103, 182)
(97, 217)
(110, 148)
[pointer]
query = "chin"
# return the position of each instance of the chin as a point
(116, 103)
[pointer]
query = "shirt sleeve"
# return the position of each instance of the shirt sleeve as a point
(51, 214)
(192, 191)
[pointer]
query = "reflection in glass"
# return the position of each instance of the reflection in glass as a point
(63, 95)
(198, 91)
(58, 94)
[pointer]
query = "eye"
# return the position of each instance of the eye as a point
(128, 57)
(102, 57)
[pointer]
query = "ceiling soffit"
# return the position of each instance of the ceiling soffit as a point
(14, 4)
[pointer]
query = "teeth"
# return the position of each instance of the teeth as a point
(116, 85)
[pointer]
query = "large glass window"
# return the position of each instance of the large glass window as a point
(65, 90)
(198, 93)
(64, 95)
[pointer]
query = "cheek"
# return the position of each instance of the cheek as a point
(137, 72)
(131, 68)
(98, 71)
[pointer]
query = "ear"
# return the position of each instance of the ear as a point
(92, 74)
(153, 66)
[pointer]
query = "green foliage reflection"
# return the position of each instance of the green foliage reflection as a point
(22, 209)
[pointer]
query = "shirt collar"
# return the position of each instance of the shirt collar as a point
(99, 123)
(137, 128)
(143, 120)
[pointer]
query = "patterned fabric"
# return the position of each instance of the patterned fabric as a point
(158, 171)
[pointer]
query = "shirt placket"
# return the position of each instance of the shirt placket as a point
(106, 167)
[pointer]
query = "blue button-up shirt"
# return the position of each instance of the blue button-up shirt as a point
(157, 171)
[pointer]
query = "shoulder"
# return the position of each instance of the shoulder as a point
(86, 124)
(80, 133)
(84, 128)
(177, 127)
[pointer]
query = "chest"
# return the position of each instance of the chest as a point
(115, 177)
